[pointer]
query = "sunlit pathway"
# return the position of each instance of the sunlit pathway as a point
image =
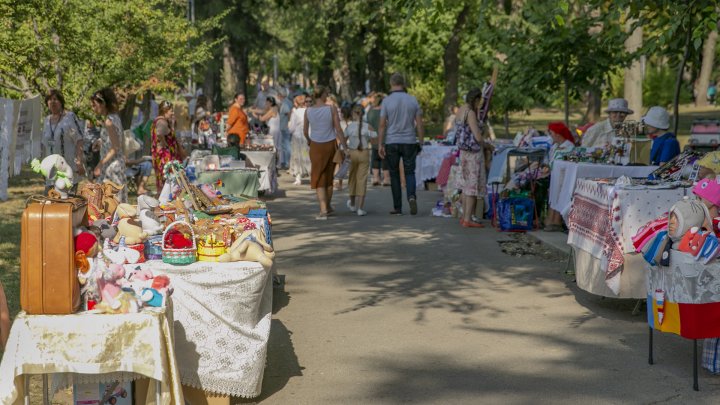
(385, 310)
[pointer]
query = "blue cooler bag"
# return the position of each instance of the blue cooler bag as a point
(515, 214)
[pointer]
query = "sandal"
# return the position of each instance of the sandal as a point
(471, 224)
(322, 216)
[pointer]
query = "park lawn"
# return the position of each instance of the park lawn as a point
(20, 188)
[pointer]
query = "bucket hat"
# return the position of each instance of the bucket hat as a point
(657, 117)
(618, 105)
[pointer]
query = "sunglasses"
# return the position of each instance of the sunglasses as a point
(165, 104)
(98, 97)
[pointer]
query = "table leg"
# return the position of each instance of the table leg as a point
(27, 389)
(158, 392)
(696, 386)
(636, 310)
(46, 397)
(650, 354)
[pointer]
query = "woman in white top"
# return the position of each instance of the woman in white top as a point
(272, 117)
(63, 133)
(300, 155)
(322, 140)
(358, 137)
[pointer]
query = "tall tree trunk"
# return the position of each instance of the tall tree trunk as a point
(451, 61)
(335, 29)
(634, 74)
(594, 104)
(376, 69)
(708, 61)
(345, 80)
(566, 97)
(126, 114)
(229, 71)
(678, 80)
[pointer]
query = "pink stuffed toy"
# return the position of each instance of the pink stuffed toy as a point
(113, 299)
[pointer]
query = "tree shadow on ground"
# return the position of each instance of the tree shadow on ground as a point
(282, 363)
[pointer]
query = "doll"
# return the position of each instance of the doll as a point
(86, 251)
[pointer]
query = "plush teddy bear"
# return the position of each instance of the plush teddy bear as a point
(250, 246)
(146, 207)
(103, 229)
(57, 172)
(128, 226)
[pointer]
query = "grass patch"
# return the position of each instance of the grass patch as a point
(20, 188)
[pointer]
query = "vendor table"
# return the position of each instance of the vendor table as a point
(92, 348)
(222, 317)
(428, 162)
(564, 174)
(238, 182)
(602, 221)
(265, 162)
(687, 292)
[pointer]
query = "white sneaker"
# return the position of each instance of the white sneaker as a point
(361, 212)
(351, 207)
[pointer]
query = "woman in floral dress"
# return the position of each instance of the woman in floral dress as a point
(165, 146)
(112, 157)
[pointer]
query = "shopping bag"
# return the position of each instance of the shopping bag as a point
(344, 169)
(516, 214)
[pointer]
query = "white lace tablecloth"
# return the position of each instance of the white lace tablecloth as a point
(222, 317)
(265, 162)
(564, 174)
(427, 163)
(91, 348)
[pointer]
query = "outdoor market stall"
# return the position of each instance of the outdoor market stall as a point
(565, 173)
(684, 298)
(222, 317)
(603, 219)
(428, 162)
(118, 264)
(265, 162)
(233, 181)
(91, 349)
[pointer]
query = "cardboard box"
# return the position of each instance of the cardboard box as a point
(102, 394)
(194, 396)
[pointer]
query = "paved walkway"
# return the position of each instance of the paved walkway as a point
(386, 310)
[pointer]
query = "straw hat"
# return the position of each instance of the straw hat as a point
(618, 105)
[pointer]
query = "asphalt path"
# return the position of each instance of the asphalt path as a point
(415, 309)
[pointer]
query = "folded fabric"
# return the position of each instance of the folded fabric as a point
(647, 232)
(656, 248)
(710, 249)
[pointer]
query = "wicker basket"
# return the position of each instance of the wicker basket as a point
(209, 250)
(179, 256)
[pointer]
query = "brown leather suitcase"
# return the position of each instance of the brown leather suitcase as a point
(48, 280)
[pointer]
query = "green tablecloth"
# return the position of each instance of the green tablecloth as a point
(240, 182)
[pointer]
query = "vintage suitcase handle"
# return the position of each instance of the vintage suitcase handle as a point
(77, 202)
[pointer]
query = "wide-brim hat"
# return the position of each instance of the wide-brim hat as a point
(618, 105)
(657, 117)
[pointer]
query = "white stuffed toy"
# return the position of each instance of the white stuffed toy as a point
(57, 172)
(150, 222)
